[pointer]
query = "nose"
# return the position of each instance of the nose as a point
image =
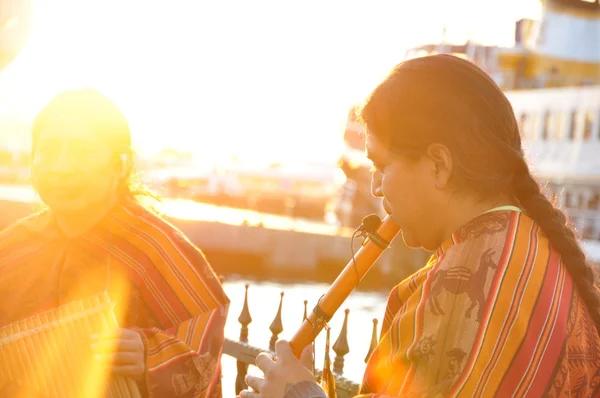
(60, 161)
(63, 163)
(376, 189)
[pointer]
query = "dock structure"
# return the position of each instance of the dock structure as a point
(247, 242)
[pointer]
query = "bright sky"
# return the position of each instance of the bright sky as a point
(222, 77)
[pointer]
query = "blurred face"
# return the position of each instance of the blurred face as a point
(409, 191)
(74, 171)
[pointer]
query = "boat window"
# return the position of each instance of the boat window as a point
(523, 125)
(588, 229)
(528, 125)
(588, 122)
(594, 202)
(573, 125)
(597, 124)
(567, 201)
(558, 126)
(553, 125)
(547, 123)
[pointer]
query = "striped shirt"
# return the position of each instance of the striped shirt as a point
(162, 285)
(493, 313)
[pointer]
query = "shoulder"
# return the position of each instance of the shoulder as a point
(499, 237)
(155, 231)
(406, 289)
(24, 229)
(411, 284)
(502, 254)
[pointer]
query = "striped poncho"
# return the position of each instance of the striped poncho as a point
(161, 283)
(494, 313)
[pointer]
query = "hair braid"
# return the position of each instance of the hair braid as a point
(448, 100)
(554, 224)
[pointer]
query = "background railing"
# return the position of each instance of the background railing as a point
(245, 353)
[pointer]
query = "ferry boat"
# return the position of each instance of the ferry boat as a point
(560, 49)
(552, 78)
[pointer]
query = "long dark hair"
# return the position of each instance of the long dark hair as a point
(446, 99)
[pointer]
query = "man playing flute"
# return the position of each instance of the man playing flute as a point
(507, 305)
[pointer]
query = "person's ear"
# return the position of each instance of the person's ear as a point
(440, 158)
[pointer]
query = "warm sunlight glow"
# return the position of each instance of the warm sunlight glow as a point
(50, 351)
(192, 211)
(252, 79)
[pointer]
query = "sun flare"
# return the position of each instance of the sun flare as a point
(259, 81)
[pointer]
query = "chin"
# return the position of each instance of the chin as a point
(410, 240)
(66, 209)
(413, 242)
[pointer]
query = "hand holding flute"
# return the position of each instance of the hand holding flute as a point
(287, 369)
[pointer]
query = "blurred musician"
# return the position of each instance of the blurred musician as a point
(95, 235)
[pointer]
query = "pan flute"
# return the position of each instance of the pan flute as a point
(50, 352)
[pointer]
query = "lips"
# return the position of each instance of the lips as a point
(62, 190)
